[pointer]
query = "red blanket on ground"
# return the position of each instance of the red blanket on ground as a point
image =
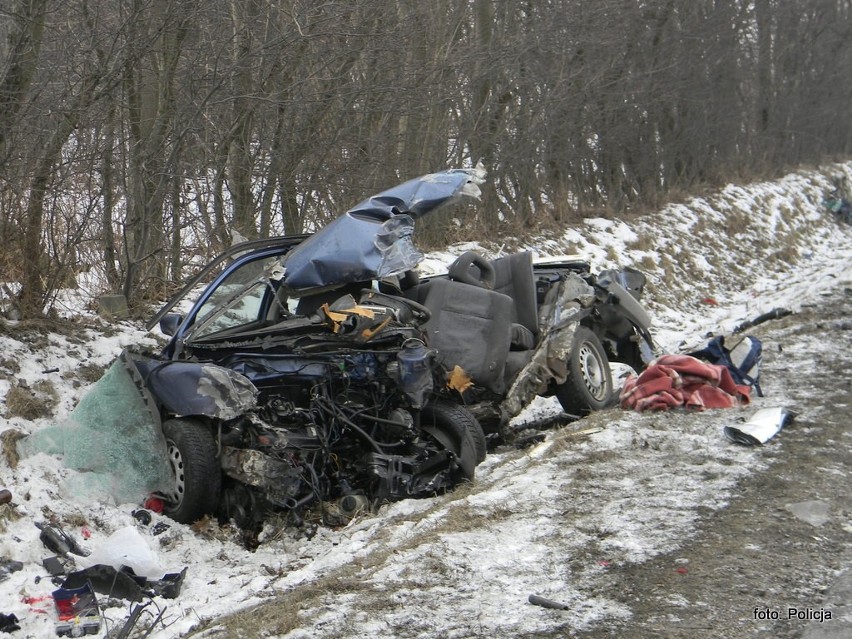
(682, 380)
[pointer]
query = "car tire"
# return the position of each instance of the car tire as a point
(197, 477)
(589, 384)
(458, 431)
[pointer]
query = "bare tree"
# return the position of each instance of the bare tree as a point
(135, 135)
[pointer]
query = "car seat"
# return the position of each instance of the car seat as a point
(470, 327)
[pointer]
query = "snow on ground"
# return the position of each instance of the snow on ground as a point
(462, 564)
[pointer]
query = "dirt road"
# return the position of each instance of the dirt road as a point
(772, 563)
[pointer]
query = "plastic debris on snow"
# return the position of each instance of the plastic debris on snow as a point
(760, 427)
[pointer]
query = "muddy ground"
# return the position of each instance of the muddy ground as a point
(787, 530)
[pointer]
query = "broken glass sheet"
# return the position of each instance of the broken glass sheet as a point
(112, 438)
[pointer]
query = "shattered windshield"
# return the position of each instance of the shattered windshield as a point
(242, 299)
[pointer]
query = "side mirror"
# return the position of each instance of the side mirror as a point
(169, 323)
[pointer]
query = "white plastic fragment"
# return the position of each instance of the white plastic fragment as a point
(126, 547)
(761, 427)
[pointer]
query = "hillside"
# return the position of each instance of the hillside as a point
(573, 519)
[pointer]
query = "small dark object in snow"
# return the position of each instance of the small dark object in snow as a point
(169, 586)
(775, 313)
(8, 623)
(547, 603)
(8, 566)
(5, 496)
(526, 434)
(58, 566)
(159, 527)
(529, 439)
(142, 516)
(60, 542)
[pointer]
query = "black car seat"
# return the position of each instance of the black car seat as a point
(513, 276)
(470, 326)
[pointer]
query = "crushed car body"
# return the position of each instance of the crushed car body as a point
(323, 371)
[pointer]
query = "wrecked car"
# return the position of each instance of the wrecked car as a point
(323, 370)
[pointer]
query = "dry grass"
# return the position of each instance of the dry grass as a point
(667, 266)
(648, 262)
(282, 613)
(31, 402)
(90, 373)
(787, 255)
(612, 254)
(9, 440)
(737, 222)
(8, 513)
(642, 243)
(10, 365)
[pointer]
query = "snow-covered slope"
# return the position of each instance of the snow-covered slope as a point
(462, 564)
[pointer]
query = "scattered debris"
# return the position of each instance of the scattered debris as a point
(775, 313)
(547, 603)
(761, 427)
(60, 542)
(741, 356)
(837, 203)
(8, 566)
(8, 623)
(78, 611)
(124, 583)
(57, 566)
(816, 513)
(127, 547)
(527, 439)
(133, 618)
(586, 431)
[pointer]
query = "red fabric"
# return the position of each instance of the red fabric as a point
(681, 380)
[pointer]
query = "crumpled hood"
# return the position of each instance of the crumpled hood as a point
(373, 239)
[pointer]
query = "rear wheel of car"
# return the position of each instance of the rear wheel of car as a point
(458, 431)
(197, 479)
(589, 384)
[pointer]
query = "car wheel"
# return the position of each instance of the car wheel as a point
(589, 384)
(196, 476)
(458, 431)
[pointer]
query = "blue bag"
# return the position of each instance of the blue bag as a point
(742, 358)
